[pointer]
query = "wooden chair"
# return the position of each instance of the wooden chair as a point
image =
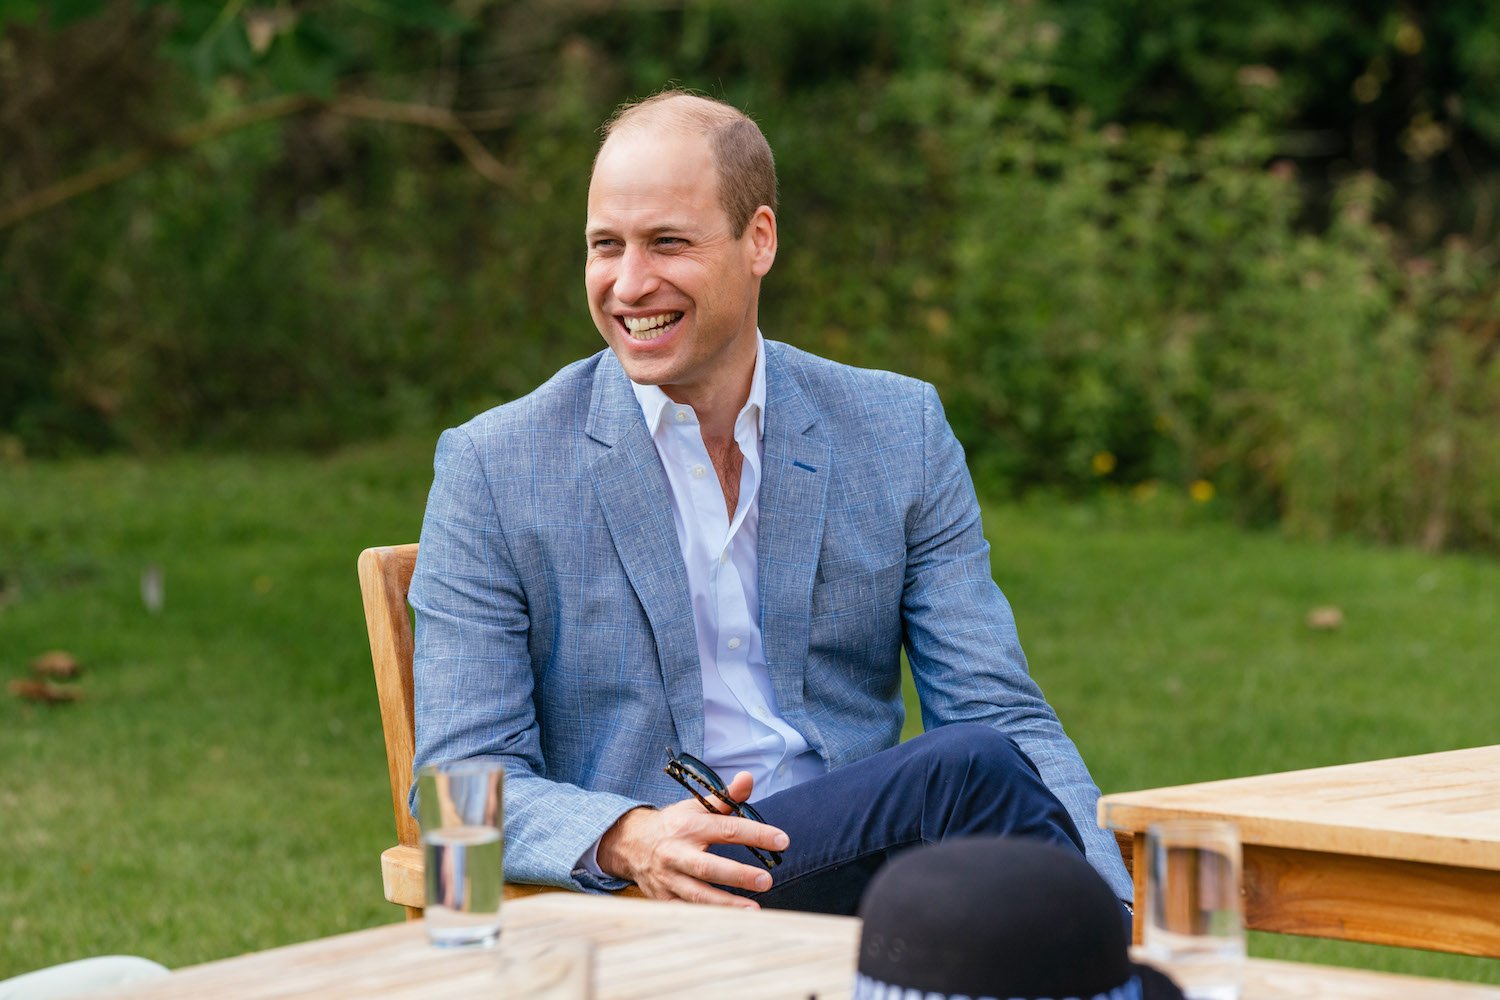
(384, 578)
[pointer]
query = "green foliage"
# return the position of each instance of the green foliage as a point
(1077, 220)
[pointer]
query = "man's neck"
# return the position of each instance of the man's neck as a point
(717, 402)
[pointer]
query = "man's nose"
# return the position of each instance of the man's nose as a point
(635, 277)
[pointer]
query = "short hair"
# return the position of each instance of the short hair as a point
(740, 153)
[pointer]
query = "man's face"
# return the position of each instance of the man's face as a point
(672, 290)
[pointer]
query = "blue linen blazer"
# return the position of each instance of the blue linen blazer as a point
(555, 634)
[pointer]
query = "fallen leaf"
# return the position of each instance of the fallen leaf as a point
(44, 691)
(1325, 619)
(56, 663)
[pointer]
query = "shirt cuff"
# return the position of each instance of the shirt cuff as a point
(590, 877)
(588, 863)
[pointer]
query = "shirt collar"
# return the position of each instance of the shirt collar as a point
(654, 402)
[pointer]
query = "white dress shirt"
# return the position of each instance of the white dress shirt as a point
(743, 729)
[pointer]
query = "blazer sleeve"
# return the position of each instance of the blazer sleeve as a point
(473, 674)
(961, 639)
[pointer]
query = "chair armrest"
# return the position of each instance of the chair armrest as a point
(401, 871)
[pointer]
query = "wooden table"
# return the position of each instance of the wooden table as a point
(651, 950)
(1403, 851)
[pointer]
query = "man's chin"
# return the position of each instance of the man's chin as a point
(643, 364)
(641, 373)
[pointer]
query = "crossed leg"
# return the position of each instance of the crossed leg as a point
(965, 779)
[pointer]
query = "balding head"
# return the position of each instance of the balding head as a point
(741, 155)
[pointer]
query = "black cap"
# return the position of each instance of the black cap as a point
(998, 917)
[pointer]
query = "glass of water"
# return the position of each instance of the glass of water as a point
(1195, 929)
(459, 805)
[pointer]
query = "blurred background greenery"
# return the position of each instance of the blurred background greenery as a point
(1172, 264)
(1247, 244)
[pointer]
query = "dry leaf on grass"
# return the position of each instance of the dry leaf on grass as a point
(56, 663)
(44, 691)
(1325, 619)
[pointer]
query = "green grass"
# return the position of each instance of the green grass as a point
(222, 787)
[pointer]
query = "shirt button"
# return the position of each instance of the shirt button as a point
(780, 771)
(734, 643)
(699, 472)
(724, 556)
(681, 416)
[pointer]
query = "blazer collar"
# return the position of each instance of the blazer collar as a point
(795, 473)
(632, 490)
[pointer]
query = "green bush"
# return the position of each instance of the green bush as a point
(1136, 302)
(1134, 305)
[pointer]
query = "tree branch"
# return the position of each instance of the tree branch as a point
(426, 116)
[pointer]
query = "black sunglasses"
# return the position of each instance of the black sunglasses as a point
(690, 772)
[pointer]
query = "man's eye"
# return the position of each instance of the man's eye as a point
(603, 244)
(670, 241)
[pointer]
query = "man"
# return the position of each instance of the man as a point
(703, 540)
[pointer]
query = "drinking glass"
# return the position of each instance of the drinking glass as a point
(459, 805)
(1194, 924)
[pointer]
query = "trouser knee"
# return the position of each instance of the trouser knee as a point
(981, 782)
(976, 748)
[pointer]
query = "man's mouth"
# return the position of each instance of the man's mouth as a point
(649, 327)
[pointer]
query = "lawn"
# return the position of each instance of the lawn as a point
(221, 786)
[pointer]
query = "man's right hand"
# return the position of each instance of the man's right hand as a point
(665, 851)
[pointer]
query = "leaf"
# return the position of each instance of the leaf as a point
(45, 692)
(226, 51)
(305, 60)
(57, 663)
(1328, 618)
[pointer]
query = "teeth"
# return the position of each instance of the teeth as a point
(643, 327)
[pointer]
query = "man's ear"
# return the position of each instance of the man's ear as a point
(761, 232)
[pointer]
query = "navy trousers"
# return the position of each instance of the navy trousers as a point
(959, 780)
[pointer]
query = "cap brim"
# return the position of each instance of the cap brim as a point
(1157, 985)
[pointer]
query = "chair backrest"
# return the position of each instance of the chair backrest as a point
(384, 578)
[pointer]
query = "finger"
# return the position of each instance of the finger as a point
(691, 876)
(693, 891)
(737, 830)
(707, 867)
(741, 787)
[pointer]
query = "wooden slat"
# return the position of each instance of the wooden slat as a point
(1403, 851)
(1126, 843)
(1440, 808)
(660, 951)
(401, 871)
(384, 577)
(1377, 900)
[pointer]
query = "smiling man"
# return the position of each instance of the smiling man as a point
(589, 596)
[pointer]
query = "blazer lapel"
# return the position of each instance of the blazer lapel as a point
(633, 494)
(793, 507)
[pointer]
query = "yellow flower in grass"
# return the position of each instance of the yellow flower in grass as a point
(1103, 463)
(1201, 490)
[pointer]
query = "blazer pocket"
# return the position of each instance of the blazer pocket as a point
(855, 591)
